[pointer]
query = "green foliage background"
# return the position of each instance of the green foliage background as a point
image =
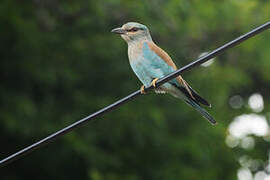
(59, 62)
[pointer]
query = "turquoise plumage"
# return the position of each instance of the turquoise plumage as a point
(149, 62)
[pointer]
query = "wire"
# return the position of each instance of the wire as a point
(122, 101)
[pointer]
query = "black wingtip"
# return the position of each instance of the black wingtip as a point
(201, 99)
(195, 95)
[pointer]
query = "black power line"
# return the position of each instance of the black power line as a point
(199, 61)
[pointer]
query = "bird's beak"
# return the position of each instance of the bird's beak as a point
(119, 31)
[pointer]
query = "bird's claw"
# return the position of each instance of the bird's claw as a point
(154, 82)
(142, 90)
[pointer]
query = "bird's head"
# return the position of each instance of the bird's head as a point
(133, 32)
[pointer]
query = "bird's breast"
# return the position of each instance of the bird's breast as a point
(135, 52)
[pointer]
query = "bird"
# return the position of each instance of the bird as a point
(150, 63)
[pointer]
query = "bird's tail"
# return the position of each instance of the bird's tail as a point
(201, 110)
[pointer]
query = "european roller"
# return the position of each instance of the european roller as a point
(149, 62)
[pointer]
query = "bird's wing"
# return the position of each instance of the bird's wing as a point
(162, 54)
(160, 59)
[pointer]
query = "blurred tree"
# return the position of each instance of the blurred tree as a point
(59, 62)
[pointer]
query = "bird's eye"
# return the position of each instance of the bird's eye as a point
(134, 29)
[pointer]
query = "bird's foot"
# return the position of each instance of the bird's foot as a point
(154, 82)
(142, 90)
